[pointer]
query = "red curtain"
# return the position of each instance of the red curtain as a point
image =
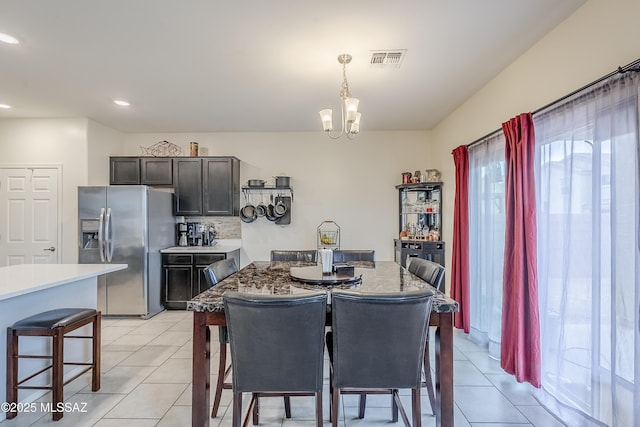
(520, 347)
(460, 257)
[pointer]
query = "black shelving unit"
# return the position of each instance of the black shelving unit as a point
(420, 211)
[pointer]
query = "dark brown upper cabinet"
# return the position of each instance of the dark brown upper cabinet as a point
(203, 186)
(207, 186)
(156, 171)
(124, 170)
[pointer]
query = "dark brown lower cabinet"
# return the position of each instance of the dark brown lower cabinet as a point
(183, 276)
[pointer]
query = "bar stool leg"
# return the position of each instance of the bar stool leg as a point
(57, 375)
(12, 370)
(427, 377)
(222, 355)
(95, 377)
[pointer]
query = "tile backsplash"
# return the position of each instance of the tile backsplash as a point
(227, 227)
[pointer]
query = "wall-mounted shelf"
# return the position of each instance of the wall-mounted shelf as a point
(269, 189)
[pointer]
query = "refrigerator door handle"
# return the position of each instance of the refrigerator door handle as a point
(108, 240)
(101, 235)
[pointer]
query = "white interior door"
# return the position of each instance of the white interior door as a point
(29, 230)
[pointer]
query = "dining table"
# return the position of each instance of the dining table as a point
(286, 278)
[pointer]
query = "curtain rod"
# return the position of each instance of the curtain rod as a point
(629, 67)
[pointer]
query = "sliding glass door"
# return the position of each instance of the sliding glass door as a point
(588, 256)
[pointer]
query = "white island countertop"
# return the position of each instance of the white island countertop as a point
(22, 279)
(222, 246)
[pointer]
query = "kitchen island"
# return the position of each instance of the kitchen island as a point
(264, 278)
(28, 289)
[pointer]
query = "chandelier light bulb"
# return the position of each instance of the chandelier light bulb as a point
(8, 38)
(355, 127)
(326, 116)
(351, 108)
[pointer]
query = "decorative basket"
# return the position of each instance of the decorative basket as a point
(328, 235)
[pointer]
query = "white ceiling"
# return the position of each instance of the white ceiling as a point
(256, 65)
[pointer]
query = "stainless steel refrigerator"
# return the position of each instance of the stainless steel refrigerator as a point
(126, 224)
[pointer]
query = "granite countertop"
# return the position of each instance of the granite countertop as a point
(222, 246)
(264, 278)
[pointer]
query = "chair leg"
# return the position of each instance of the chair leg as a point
(237, 409)
(428, 381)
(416, 407)
(319, 422)
(95, 377)
(362, 405)
(57, 375)
(12, 371)
(255, 401)
(398, 405)
(394, 406)
(335, 395)
(220, 383)
(287, 406)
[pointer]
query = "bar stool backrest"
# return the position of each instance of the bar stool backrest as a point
(277, 342)
(220, 270)
(429, 271)
(391, 326)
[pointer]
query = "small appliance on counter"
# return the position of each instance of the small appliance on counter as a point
(182, 234)
(195, 234)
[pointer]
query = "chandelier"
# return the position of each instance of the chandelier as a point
(350, 123)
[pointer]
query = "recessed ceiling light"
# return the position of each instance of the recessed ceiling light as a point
(121, 102)
(8, 39)
(5, 106)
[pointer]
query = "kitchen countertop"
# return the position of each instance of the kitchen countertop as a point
(23, 279)
(223, 246)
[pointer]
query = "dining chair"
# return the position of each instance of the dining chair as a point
(310, 256)
(432, 273)
(277, 347)
(215, 273)
(429, 271)
(377, 345)
(365, 258)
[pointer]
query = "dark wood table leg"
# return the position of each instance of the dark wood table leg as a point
(201, 371)
(444, 370)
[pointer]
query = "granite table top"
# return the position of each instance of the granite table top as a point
(274, 278)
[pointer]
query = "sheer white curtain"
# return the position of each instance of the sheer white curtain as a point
(486, 240)
(588, 254)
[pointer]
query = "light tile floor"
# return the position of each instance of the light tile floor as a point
(146, 375)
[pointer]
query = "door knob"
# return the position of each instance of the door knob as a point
(51, 249)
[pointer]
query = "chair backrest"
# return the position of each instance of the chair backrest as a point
(277, 342)
(429, 271)
(310, 256)
(354, 255)
(379, 339)
(220, 270)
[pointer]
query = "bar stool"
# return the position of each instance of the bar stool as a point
(215, 273)
(55, 324)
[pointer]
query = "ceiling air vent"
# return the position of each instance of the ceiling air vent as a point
(387, 58)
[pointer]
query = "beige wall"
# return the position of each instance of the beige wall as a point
(102, 142)
(594, 41)
(51, 142)
(349, 182)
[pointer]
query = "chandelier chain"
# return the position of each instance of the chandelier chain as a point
(344, 93)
